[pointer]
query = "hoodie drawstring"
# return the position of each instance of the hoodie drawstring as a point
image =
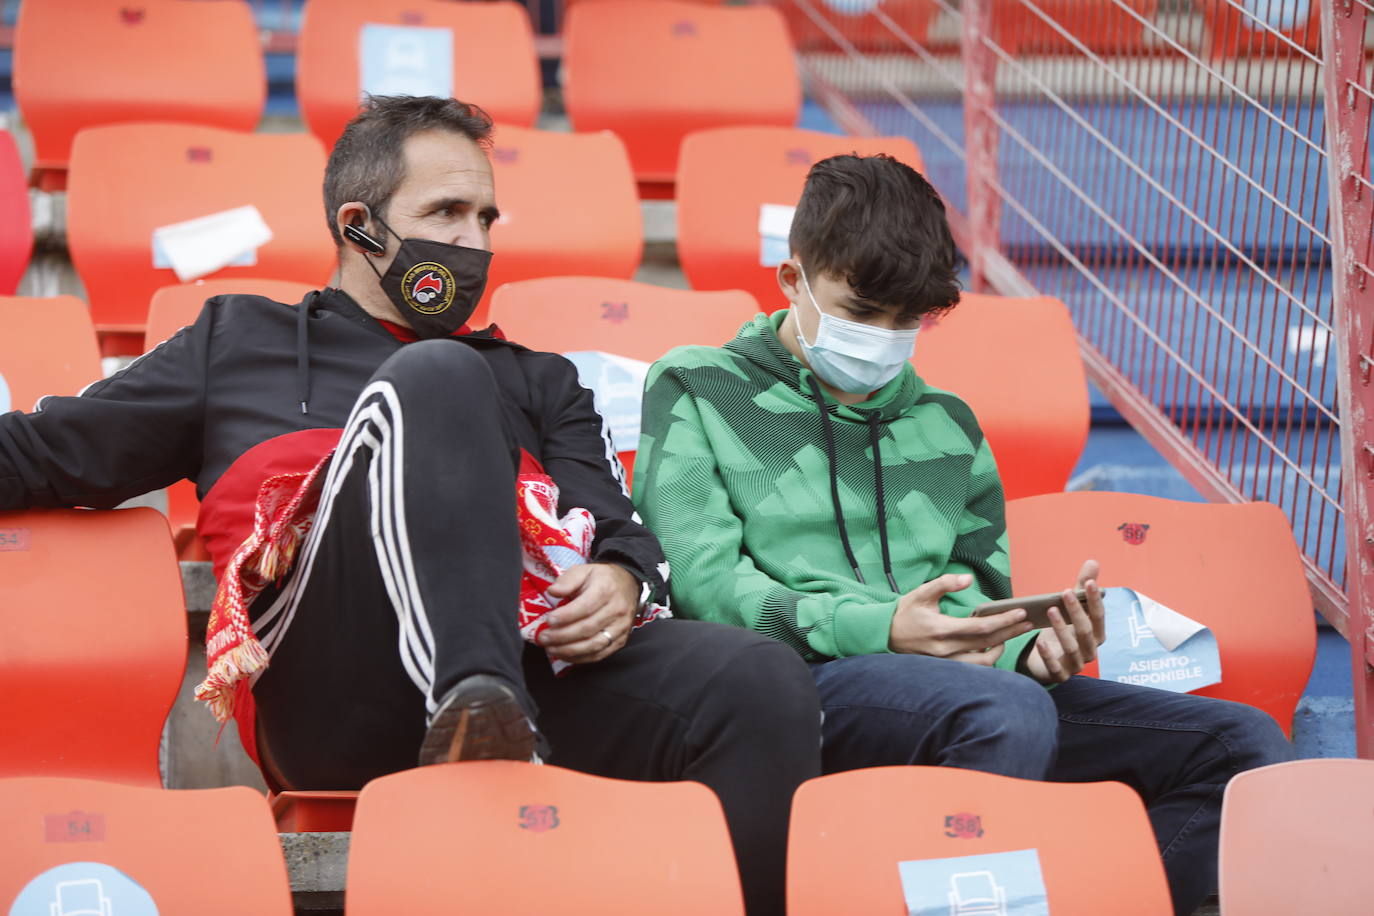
(303, 350)
(874, 433)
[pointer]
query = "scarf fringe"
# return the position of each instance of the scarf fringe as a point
(218, 689)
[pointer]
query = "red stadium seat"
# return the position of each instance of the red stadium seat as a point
(211, 852)
(494, 60)
(653, 72)
(1234, 568)
(326, 811)
(1271, 28)
(1015, 361)
(1109, 29)
(79, 63)
(638, 320)
(1295, 838)
(863, 26)
(16, 223)
(173, 308)
(850, 831)
(525, 840)
(127, 180)
(92, 643)
(47, 346)
(725, 175)
(568, 206)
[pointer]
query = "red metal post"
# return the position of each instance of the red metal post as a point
(1347, 115)
(984, 231)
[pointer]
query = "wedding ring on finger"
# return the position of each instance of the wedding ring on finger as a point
(609, 638)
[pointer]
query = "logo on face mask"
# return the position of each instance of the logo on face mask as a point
(428, 287)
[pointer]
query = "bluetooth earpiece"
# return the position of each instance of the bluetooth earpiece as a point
(356, 235)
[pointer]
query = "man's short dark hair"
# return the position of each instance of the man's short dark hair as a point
(878, 224)
(368, 162)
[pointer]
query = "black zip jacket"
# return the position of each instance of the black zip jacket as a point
(251, 370)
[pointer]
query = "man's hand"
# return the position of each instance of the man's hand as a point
(1071, 642)
(600, 601)
(919, 628)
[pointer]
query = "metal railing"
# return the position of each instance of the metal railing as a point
(1193, 180)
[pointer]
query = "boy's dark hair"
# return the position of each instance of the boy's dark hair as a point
(877, 223)
(368, 162)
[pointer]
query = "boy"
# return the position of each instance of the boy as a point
(807, 484)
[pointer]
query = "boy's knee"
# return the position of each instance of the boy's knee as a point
(1252, 736)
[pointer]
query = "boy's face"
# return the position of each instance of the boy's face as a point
(834, 296)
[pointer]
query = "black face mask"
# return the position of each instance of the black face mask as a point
(436, 286)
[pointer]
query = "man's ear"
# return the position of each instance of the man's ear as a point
(352, 220)
(789, 279)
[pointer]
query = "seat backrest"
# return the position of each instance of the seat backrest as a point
(568, 206)
(16, 222)
(92, 642)
(1295, 838)
(1248, 28)
(850, 830)
(128, 180)
(1233, 567)
(655, 72)
(1112, 28)
(522, 839)
(1016, 362)
(725, 175)
(101, 847)
(79, 63)
(176, 306)
(860, 25)
(638, 320)
(47, 346)
(494, 63)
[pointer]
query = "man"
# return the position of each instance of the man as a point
(807, 484)
(358, 457)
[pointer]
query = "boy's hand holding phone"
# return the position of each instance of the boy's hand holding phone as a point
(1071, 640)
(919, 628)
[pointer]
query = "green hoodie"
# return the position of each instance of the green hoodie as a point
(733, 475)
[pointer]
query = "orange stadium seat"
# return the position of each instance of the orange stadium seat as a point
(864, 25)
(568, 206)
(173, 308)
(1234, 568)
(494, 60)
(1295, 838)
(1273, 28)
(47, 346)
(725, 175)
(1110, 29)
(524, 840)
(92, 643)
(1015, 361)
(112, 849)
(128, 180)
(79, 63)
(850, 830)
(16, 223)
(655, 72)
(638, 320)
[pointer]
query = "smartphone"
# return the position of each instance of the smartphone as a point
(1037, 607)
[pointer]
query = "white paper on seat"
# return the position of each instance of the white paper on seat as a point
(405, 60)
(199, 247)
(775, 222)
(617, 384)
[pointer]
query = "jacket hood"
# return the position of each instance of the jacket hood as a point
(758, 342)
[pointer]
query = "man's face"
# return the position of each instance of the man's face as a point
(447, 195)
(834, 296)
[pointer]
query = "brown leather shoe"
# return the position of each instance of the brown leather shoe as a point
(480, 719)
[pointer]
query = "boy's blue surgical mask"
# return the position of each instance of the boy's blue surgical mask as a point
(852, 356)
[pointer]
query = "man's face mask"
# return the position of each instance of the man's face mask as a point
(852, 356)
(436, 286)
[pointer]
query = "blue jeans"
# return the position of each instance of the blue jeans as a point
(1176, 750)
